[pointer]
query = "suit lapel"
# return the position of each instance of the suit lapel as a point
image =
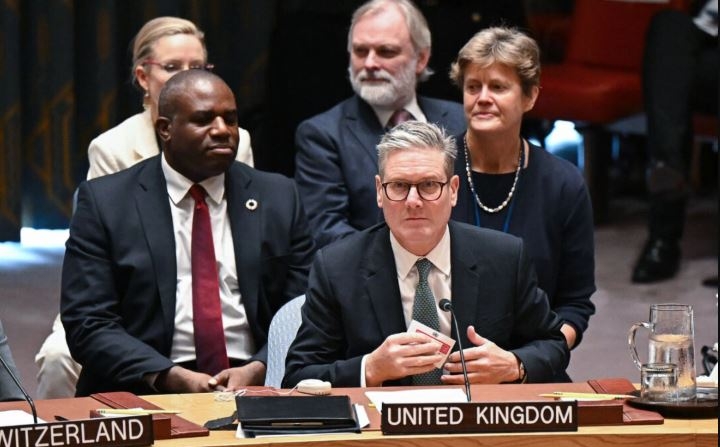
(365, 130)
(381, 285)
(151, 199)
(466, 280)
(245, 228)
(432, 113)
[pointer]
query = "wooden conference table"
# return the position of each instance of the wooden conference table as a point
(199, 408)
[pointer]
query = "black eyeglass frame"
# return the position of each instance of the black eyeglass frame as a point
(417, 189)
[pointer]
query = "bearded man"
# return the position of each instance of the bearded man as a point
(389, 45)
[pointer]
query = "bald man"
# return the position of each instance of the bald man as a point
(127, 283)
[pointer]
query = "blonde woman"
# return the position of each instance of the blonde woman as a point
(163, 47)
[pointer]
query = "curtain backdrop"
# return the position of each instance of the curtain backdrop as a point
(65, 78)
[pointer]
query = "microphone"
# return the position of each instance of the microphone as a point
(22, 390)
(446, 306)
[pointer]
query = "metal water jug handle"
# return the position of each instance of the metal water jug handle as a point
(631, 341)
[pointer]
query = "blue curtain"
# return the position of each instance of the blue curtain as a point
(65, 78)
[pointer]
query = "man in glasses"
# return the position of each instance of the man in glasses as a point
(365, 290)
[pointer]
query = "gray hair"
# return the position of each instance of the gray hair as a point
(414, 19)
(502, 45)
(417, 135)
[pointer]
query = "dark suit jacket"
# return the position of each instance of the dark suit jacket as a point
(119, 273)
(336, 163)
(353, 304)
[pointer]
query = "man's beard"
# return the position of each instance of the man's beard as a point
(390, 94)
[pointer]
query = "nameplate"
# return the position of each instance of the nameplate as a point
(130, 431)
(478, 417)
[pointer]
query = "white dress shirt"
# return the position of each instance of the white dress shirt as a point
(238, 336)
(439, 279)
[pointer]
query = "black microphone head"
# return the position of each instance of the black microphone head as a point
(445, 305)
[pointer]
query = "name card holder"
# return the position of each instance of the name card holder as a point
(126, 431)
(600, 412)
(479, 417)
(162, 424)
(179, 427)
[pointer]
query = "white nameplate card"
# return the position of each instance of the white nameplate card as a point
(478, 417)
(444, 343)
(126, 431)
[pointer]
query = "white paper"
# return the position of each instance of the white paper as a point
(710, 381)
(443, 342)
(417, 396)
(11, 418)
(362, 417)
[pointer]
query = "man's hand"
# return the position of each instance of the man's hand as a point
(233, 379)
(486, 363)
(180, 380)
(570, 335)
(401, 355)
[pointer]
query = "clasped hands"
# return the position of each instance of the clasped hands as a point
(407, 354)
(181, 380)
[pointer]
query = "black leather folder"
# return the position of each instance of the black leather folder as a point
(296, 414)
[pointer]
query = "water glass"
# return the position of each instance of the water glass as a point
(671, 340)
(658, 382)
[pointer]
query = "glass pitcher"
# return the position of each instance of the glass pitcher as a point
(672, 340)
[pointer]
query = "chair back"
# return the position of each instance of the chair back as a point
(611, 33)
(283, 328)
(9, 390)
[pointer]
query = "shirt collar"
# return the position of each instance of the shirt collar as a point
(411, 106)
(439, 256)
(178, 185)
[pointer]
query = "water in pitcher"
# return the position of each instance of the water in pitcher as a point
(678, 349)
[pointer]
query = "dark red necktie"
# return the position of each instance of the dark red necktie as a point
(211, 356)
(399, 116)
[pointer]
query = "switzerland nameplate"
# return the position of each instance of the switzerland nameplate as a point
(478, 417)
(129, 431)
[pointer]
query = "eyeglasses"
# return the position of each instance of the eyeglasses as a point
(428, 190)
(174, 67)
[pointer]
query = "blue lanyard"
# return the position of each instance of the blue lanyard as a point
(476, 207)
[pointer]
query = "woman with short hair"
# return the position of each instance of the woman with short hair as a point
(510, 185)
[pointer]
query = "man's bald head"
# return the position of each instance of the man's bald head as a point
(179, 85)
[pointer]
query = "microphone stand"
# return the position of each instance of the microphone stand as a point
(22, 390)
(446, 306)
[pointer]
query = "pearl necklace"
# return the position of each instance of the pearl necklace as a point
(500, 207)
